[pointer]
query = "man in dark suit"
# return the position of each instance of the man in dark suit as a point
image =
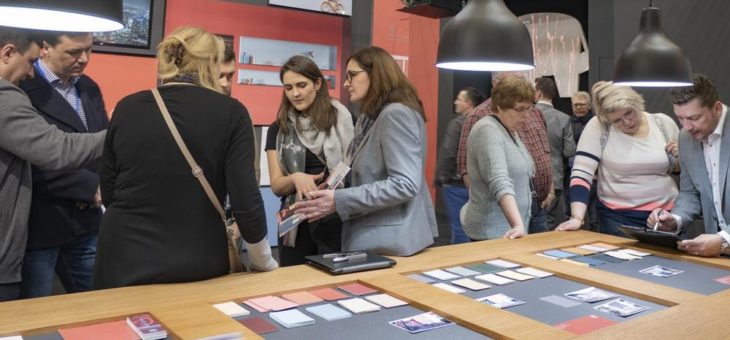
(65, 209)
(704, 144)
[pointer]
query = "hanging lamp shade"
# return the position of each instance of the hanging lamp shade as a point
(652, 60)
(485, 36)
(62, 15)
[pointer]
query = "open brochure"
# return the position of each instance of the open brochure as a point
(288, 219)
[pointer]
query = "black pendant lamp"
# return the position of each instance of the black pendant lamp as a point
(62, 15)
(485, 36)
(652, 60)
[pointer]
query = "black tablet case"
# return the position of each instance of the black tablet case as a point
(647, 235)
(373, 261)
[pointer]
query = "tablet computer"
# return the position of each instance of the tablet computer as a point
(349, 262)
(651, 236)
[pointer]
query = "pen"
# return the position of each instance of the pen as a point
(656, 225)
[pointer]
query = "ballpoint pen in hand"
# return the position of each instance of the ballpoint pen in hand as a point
(656, 225)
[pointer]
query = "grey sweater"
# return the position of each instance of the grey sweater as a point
(25, 137)
(497, 167)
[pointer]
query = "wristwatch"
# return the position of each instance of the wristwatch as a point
(725, 247)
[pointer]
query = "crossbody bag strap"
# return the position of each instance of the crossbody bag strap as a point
(197, 170)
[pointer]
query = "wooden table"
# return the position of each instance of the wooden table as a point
(186, 311)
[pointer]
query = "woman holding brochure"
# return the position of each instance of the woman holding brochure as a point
(304, 145)
(388, 209)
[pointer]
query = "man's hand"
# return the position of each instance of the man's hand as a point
(666, 220)
(707, 245)
(319, 204)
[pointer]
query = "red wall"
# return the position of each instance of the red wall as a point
(416, 37)
(119, 76)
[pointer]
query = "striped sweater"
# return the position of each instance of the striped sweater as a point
(632, 172)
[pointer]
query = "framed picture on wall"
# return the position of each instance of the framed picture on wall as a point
(144, 21)
(337, 7)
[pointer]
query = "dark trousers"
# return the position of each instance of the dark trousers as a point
(321, 237)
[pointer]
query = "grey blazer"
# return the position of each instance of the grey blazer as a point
(388, 209)
(560, 138)
(25, 138)
(695, 192)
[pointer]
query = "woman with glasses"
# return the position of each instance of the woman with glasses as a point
(633, 153)
(160, 226)
(501, 168)
(388, 209)
(306, 142)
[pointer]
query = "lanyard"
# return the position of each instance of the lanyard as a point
(506, 129)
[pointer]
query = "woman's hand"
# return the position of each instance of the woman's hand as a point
(304, 183)
(571, 224)
(673, 149)
(515, 232)
(319, 204)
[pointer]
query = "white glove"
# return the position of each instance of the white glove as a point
(260, 256)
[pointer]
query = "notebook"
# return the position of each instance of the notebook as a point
(372, 261)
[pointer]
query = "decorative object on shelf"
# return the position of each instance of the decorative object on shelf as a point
(271, 52)
(63, 15)
(652, 60)
(145, 21)
(337, 7)
(485, 36)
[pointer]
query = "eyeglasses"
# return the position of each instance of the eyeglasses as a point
(580, 104)
(352, 74)
(524, 109)
(627, 116)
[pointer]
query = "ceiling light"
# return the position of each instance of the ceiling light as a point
(62, 15)
(485, 36)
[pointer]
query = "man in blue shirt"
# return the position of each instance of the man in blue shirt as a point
(65, 209)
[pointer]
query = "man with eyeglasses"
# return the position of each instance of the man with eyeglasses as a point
(533, 134)
(582, 113)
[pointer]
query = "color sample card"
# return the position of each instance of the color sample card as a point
(449, 288)
(291, 318)
(421, 278)
(724, 280)
(560, 301)
(359, 305)
(421, 323)
(485, 268)
(534, 272)
(605, 258)
(585, 324)
(621, 307)
(114, 330)
(328, 294)
(635, 252)
(329, 312)
(231, 309)
(302, 298)
(588, 260)
(501, 301)
(661, 271)
(259, 325)
(579, 251)
(558, 254)
(357, 289)
(511, 274)
(386, 300)
(494, 279)
(270, 303)
(546, 256)
(14, 337)
(462, 271)
(575, 262)
(605, 246)
(622, 255)
(591, 294)
(503, 263)
(593, 248)
(441, 275)
(470, 284)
